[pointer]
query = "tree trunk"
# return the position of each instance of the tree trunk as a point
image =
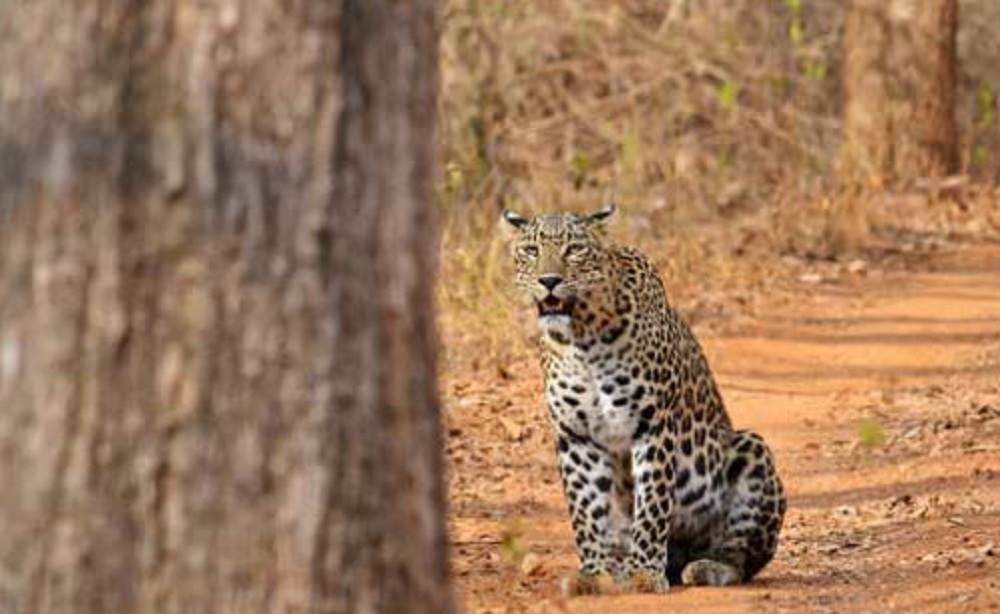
(899, 80)
(217, 349)
(934, 120)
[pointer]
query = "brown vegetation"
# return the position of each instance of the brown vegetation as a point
(716, 125)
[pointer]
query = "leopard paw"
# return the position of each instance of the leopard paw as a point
(706, 572)
(646, 581)
(585, 583)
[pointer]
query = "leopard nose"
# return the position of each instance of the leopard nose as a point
(550, 281)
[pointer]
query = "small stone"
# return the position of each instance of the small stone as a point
(531, 564)
(513, 429)
(828, 548)
(846, 511)
(904, 500)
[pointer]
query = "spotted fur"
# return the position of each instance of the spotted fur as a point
(660, 487)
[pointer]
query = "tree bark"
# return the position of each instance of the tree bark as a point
(935, 116)
(217, 343)
(899, 80)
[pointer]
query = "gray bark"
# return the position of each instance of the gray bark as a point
(217, 349)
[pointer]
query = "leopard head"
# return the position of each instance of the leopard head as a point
(560, 259)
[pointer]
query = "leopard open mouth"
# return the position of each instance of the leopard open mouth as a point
(552, 305)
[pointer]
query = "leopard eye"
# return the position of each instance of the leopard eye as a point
(575, 250)
(529, 251)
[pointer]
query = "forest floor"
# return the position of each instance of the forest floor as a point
(879, 392)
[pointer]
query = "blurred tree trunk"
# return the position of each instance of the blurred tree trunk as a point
(217, 349)
(935, 118)
(899, 81)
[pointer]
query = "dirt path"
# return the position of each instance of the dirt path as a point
(881, 397)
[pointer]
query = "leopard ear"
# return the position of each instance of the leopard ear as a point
(514, 219)
(606, 211)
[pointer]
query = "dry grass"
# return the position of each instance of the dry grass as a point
(480, 319)
(717, 130)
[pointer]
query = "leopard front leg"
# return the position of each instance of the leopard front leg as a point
(591, 479)
(653, 471)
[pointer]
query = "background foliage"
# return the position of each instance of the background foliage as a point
(715, 124)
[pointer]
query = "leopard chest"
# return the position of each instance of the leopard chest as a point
(597, 393)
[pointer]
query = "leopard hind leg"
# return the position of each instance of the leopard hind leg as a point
(754, 514)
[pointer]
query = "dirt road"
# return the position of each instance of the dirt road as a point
(881, 397)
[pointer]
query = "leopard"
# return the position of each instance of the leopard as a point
(661, 488)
